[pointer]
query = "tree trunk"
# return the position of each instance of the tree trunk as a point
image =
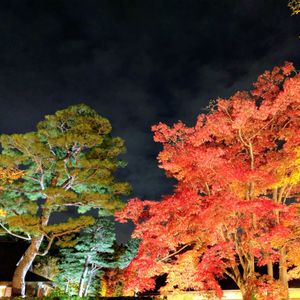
(88, 284)
(283, 277)
(67, 286)
(83, 276)
(245, 294)
(18, 282)
(270, 269)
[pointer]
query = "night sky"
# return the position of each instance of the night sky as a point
(136, 62)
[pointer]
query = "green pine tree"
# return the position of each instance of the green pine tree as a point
(68, 162)
(96, 250)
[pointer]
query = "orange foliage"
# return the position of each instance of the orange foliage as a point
(266, 288)
(8, 175)
(294, 5)
(236, 169)
(112, 283)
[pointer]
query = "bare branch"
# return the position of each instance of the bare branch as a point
(48, 247)
(241, 138)
(28, 238)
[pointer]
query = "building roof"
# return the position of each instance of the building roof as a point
(10, 254)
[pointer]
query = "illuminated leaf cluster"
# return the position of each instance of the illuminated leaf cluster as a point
(294, 5)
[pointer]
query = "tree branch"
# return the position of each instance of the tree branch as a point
(48, 247)
(231, 275)
(176, 252)
(57, 235)
(28, 238)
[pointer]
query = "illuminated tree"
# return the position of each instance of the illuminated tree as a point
(236, 170)
(67, 162)
(80, 264)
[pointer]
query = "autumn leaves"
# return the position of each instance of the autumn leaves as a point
(234, 207)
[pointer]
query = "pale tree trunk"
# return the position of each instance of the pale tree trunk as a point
(283, 277)
(270, 269)
(83, 276)
(89, 281)
(67, 286)
(18, 282)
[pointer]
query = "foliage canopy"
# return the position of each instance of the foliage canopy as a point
(68, 162)
(237, 169)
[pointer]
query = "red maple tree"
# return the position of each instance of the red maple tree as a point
(236, 170)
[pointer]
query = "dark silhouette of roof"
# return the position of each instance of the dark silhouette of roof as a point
(10, 254)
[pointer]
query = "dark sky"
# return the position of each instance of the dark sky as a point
(137, 62)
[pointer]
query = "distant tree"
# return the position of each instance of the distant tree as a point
(238, 170)
(68, 162)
